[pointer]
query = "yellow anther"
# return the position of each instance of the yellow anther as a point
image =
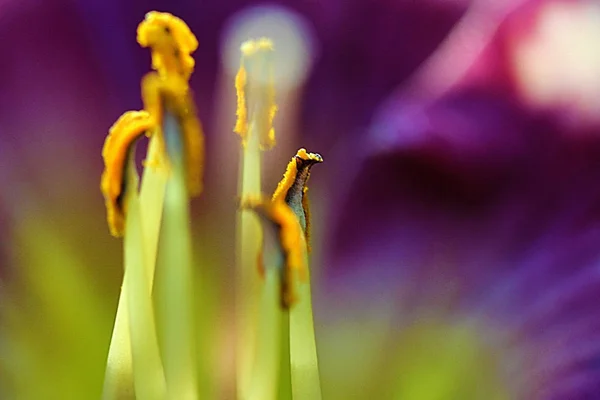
(291, 241)
(172, 95)
(289, 177)
(254, 84)
(292, 188)
(241, 125)
(121, 136)
(171, 42)
(291, 172)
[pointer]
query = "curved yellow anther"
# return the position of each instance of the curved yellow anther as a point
(291, 241)
(172, 94)
(254, 84)
(291, 172)
(167, 90)
(171, 42)
(121, 136)
(292, 188)
(284, 185)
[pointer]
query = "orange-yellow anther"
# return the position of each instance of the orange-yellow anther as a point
(121, 137)
(292, 188)
(171, 42)
(172, 94)
(290, 176)
(291, 241)
(254, 86)
(241, 125)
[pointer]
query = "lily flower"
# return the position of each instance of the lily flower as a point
(454, 228)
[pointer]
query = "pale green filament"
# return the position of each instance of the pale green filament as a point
(248, 280)
(152, 196)
(134, 344)
(119, 377)
(265, 376)
(148, 373)
(306, 384)
(176, 275)
(256, 110)
(285, 378)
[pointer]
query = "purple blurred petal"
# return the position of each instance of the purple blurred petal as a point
(474, 204)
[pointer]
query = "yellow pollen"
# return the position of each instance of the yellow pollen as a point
(255, 80)
(171, 42)
(167, 90)
(290, 177)
(121, 136)
(241, 125)
(286, 183)
(291, 240)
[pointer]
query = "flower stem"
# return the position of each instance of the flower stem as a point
(306, 384)
(176, 275)
(119, 377)
(265, 376)
(148, 373)
(152, 196)
(285, 378)
(248, 282)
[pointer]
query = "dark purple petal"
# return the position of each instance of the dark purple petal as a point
(475, 205)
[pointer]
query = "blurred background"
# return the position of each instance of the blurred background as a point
(456, 217)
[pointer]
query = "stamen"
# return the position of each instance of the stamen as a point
(254, 80)
(256, 110)
(167, 90)
(292, 188)
(172, 172)
(171, 42)
(303, 358)
(128, 128)
(178, 132)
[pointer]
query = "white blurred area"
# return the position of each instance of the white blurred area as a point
(292, 36)
(557, 64)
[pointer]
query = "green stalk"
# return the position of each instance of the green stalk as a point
(285, 378)
(118, 382)
(118, 378)
(265, 376)
(254, 308)
(152, 196)
(147, 367)
(248, 280)
(176, 275)
(304, 364)
(306, 384)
